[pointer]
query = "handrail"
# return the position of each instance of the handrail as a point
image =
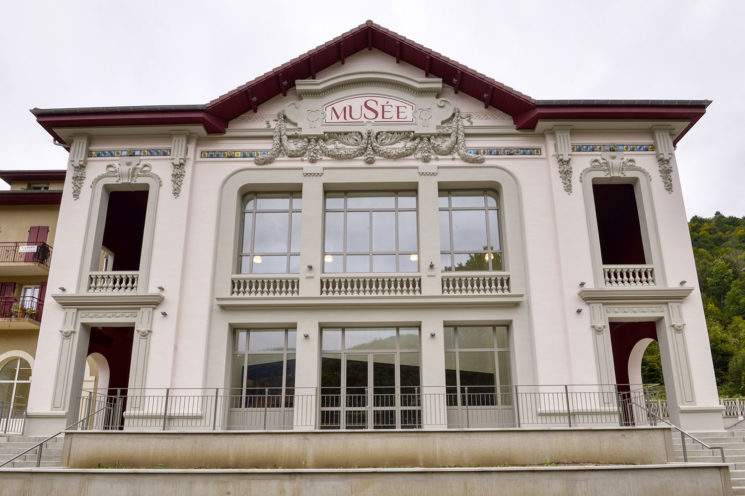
(683, 434)
(38, 445)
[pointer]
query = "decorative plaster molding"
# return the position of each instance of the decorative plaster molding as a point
(613, 165)
(144, 320)
(67, 333)
(640, 295)
(598, 320)
(664, 144)
(144, 333)
(95, 301)
(676, 317)
(428, 170)
(312, 171)
(370, 144)
(130, 172)
(635, 310)
(178, 163)
(335, 84)
(76, 162)
(109, 314)
(564, 157)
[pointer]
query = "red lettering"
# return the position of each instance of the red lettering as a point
(371, 113)
(335, 114)
(401, 113)
(387, 111)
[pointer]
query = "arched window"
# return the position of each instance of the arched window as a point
(15, 381)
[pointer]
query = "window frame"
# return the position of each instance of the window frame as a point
(498, 385)
(451, 252)
(397, 252)
(287, 392)
(251, 254)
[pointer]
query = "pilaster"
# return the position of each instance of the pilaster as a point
(429, 229)
(311, 232)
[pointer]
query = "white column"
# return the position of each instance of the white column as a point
(429, 230)
(434, 406)
(311, 236)
(140, 354)
(307, 365)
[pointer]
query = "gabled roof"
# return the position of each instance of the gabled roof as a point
(525, 111)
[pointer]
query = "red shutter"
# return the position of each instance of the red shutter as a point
(40, 303)
(7, 291)
(36, 234)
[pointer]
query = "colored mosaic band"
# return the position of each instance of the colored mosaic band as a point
(232, 153)
(612, 147)
(501, 151)
(130, 152)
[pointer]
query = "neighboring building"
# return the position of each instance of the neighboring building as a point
(372, 236)
(28, 221)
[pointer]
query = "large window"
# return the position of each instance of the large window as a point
(271, 234)
(477, 365)
(370, 232)
(15, 381)
(370, 378)
(469, 231)
(263, 372)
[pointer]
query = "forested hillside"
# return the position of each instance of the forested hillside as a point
(719, 248)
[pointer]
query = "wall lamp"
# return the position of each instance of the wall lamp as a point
(62, 289)
(164, 313)
(306, 335)
(161, 288)
(683, 282)
(582, 284)
(432, 334)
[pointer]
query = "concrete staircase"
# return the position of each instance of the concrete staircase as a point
(733, 443)
(13, 444)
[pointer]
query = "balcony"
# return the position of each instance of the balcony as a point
(476, 283)
(371, 285)
(20, 258)
(22, 313)
(628, 276)
(113, 282)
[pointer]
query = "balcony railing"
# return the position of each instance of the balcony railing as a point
(371, 285)
(616, 276)
(252, 285)
(20, 251)
(21, 307)
(483, 283)
(113, 282)
(411, 407)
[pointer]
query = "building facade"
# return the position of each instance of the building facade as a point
(28, 221)
(371, 236)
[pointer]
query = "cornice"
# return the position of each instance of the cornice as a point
(108, 301)
(634, 295)
(345, 302)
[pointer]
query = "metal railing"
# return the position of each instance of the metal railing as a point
(21, 307)
(405, 407)
(684, 436)
(23, 251)
(12, 417)
(39, 447)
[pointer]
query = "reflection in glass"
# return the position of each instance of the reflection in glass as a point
(271, 234)
(370, 232)
(469, 231)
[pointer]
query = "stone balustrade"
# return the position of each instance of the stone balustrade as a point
(371, 285)
(113, 282)
(481, 283)
(628, 275)
(252, 285)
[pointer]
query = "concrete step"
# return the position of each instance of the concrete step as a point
(30, 464)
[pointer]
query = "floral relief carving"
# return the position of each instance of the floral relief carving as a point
(178, 164)
(130, 172)
(370, 145)
(77, 162)
(664, 146)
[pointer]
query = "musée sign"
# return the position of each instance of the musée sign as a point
(368, 108)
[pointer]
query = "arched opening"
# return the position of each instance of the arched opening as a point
(15, 382)
(638, 370)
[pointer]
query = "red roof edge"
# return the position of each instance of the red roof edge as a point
(30, 197)
(33, 175)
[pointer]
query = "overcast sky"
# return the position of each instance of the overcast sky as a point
(94, 53)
